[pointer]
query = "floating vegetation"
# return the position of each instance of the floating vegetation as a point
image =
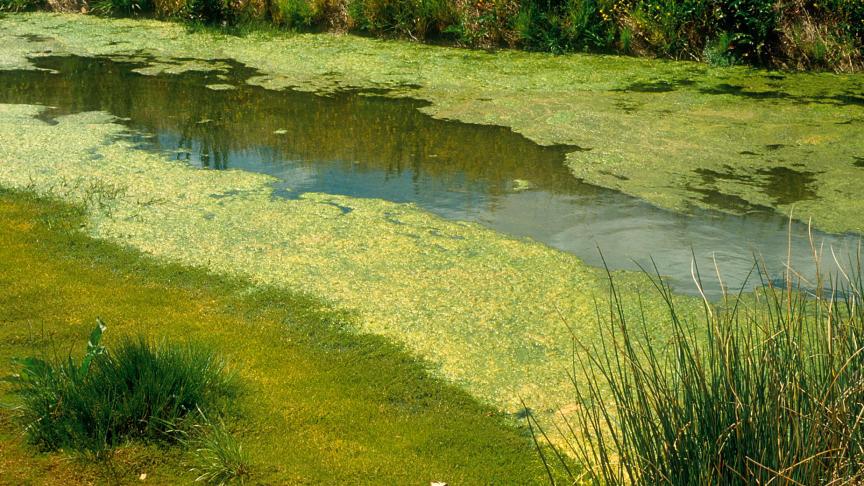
(520, 185)
(693, 117)
(221, 87)
(485, 309)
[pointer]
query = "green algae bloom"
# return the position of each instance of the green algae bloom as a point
(489, 312)
(676, 134)
(221, 87)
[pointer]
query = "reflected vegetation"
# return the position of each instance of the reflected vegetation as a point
(782, 184)
(362, 145)
(342, 134)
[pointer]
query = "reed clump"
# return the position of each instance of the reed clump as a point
(768, 388)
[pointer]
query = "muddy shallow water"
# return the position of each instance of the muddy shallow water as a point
(362, 145)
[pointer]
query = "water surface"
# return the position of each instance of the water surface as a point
(370, 146)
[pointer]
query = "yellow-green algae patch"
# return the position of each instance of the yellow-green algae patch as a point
(677, 134)
(485, 309)
(221, 87)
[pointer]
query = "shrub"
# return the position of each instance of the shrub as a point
(817, 35)
(22, 5)
(669, 28)
(565, 25)
(140, 390)
(486, 23)
(213, 12)
(208, 11)
(719, 51)
(769, 388)
(416, 19)
(752, 25)
(121, 7)
(168, 8)
(292, 14)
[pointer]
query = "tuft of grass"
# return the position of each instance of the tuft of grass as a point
(217, 456)
(134, 392)
(769, 388)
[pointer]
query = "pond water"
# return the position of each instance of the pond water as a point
(366, 145)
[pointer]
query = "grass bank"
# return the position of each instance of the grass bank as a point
(323, 404)
(797, 34)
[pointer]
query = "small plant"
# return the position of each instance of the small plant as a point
(138, 391)
(292, 14)
(414, 19)
(217, 456)
(561, 26)
(719, 52)
(120, 7)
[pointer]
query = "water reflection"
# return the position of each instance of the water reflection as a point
(363, 145)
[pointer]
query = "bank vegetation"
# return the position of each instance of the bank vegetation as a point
(786, 34)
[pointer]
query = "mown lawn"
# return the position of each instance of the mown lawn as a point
(321, 404)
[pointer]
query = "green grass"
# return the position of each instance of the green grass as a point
(139, 390)
(768, 389)
(218, 458)
(322, 403)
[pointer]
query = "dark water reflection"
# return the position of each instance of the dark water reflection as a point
(364, 145)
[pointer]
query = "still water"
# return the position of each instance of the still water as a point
(367, 145)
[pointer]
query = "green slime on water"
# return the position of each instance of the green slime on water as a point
(653, 127)
(488, 311)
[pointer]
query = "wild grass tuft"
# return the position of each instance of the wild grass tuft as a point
(767, 389)
(217, 457)
(140, 390)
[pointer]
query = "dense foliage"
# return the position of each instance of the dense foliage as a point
(798, 34)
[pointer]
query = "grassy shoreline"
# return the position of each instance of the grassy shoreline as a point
(311, 381)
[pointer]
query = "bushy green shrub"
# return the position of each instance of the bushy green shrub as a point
(292, 14)
(752, 25)
(719, 51)
(668, 28)
(405, 18)
(850, 15)
(209, 11)
(121, 7)
(140, 390)
(486, 23)
(565, 25)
